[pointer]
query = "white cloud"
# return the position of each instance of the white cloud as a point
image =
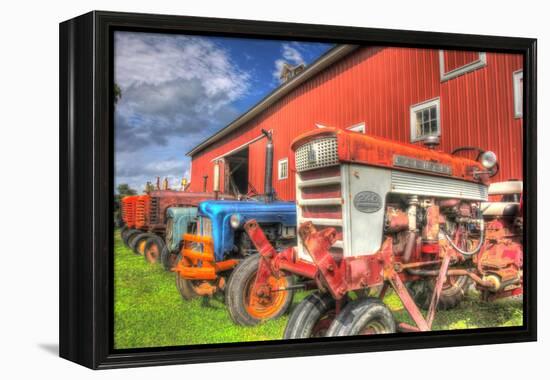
(175, 90)
(290, 54)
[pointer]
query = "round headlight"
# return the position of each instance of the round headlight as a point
(488, 159)
(235, 221)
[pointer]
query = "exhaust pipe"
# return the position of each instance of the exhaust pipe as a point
(268, 181)
(216, 185)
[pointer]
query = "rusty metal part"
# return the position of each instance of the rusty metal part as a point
(430, 231)
(441, 278)
(396, 220)
(408, 302)
(409, 246)
(317, 244)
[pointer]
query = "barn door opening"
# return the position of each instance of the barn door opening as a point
(236, 172)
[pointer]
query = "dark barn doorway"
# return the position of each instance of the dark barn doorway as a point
(236, 172)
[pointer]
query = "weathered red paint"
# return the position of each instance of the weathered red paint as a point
(378, 86)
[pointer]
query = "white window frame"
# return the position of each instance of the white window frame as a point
(279, 164)
(419, 107)
(359, 127)
(474, 65)
(518, 94)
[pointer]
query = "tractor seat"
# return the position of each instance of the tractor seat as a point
(500, 208)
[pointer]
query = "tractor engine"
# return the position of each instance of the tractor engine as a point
(375, 194)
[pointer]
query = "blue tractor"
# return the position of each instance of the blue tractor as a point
(208, 257)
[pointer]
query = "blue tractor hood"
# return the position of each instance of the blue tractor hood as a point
(220, 212)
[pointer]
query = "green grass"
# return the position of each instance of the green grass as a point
(149, 311)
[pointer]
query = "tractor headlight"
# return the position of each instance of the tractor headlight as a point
(235, 221)
(488, 159)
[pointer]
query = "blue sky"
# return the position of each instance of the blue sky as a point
(177, 90)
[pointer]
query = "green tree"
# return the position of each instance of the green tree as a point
(117, 93)
(124, 189)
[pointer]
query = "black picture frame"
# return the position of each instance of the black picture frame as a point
(86, 188)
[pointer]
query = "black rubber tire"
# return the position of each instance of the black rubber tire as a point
(304, 318)
(132, 240)
(167, 258)
(241, 278)
(184, 286)
(154, 239)
(123, 229)
(127, 234)
(359, 314)
(136, 239)
(451, 296)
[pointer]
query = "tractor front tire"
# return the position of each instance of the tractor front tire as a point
(452, 294)
(167, 258)
(312, 317)
(153, 249)
(246, 309)
(185, 287)
(365, 316)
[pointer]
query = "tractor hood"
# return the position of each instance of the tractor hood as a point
(220, 212)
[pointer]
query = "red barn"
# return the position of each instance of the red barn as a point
(466, 98)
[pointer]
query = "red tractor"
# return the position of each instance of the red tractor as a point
(146, 222)
(374, 214)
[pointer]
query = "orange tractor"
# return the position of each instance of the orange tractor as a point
(375, 214)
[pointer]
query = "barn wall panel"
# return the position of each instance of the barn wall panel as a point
(378, 86)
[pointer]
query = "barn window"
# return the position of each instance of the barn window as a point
(358, 128)
(455, 63)
(425, 120)
(518, 93)
(283, 168)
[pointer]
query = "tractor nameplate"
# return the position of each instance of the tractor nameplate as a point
(367, 202)
(427, 166)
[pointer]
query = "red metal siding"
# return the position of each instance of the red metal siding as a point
(378, 86)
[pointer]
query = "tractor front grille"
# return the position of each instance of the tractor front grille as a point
(142, 207)
(205, 227)
(319, 153)
(129, 211)
(154, 210)
(426, 185)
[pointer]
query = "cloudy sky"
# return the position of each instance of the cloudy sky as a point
(178, 90)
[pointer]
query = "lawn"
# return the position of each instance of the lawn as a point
(149, 311)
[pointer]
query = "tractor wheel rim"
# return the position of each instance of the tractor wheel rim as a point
(321, 326)
(268, 305)
(141, 246)
(373, 327)
(152, 253)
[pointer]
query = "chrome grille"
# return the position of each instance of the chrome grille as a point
(418, 184)
(316, 154)
(154, 210)
(205, 226)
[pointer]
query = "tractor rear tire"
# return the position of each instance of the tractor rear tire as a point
(153, 249)
(365, 316)
(452, 294)
(247, 311)
(127, 234)
(185, 287)
(312, 317)
(136, 243)
(123, 229)
(167, 258)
